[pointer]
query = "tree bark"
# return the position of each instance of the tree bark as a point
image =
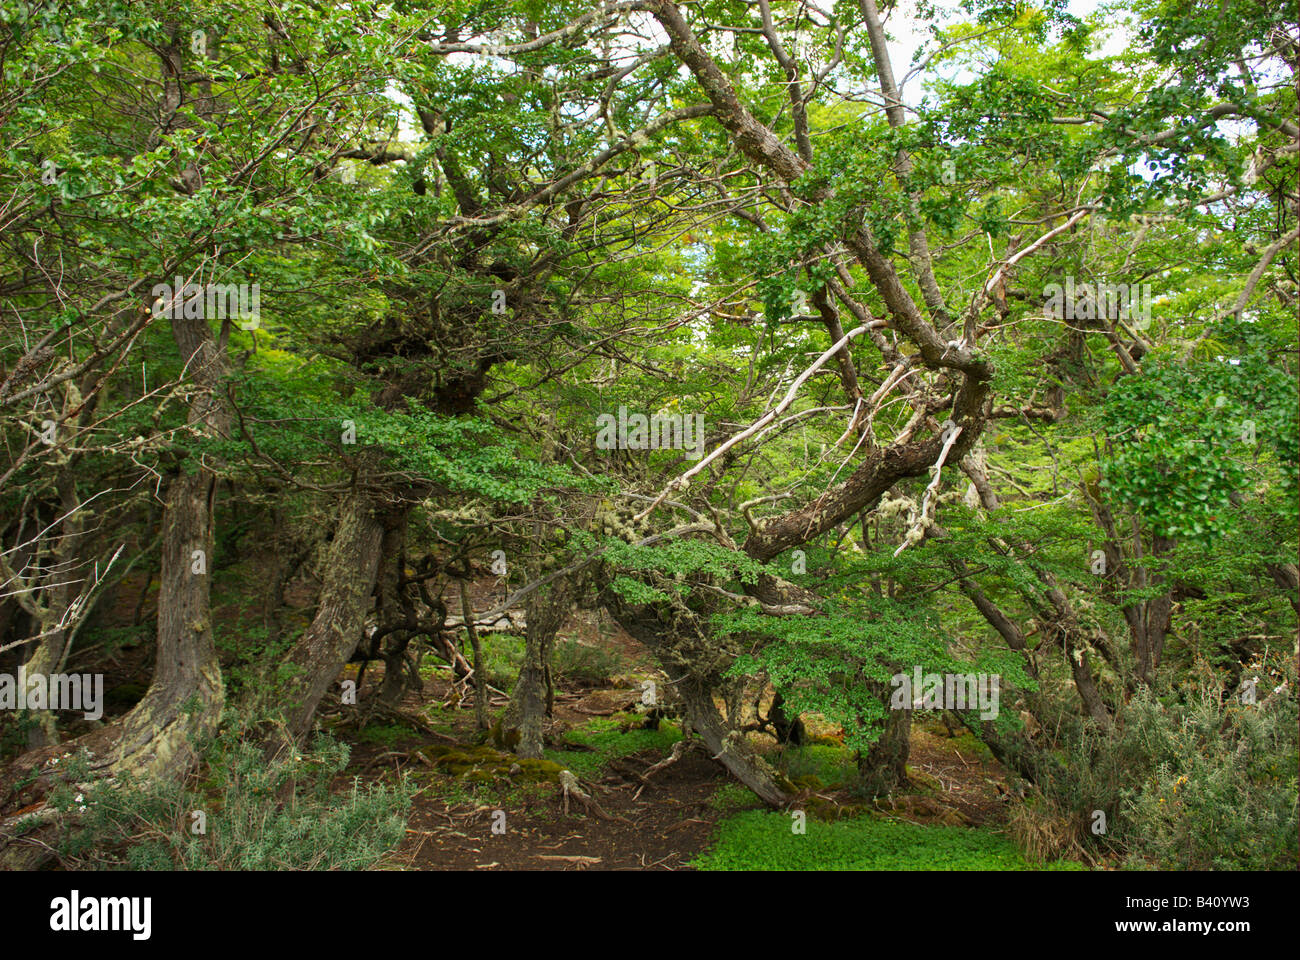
(883, 768)
(161, 731)
(48, 655)
(480, 673)
(394, 606)
(727, 746)
(351, 568)
(522, 723)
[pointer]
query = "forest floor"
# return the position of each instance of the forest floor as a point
(472, 812)
(478, 808)
(664, 822)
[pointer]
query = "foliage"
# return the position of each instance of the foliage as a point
(285, 815)
(478, 228)
(1216, 788)
(584, 663)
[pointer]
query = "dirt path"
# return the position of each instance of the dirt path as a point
(668, 824)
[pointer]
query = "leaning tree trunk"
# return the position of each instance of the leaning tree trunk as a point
(520, 727)
(727, 746)
(351, 568)
(680, 659)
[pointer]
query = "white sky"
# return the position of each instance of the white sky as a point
(909, 35)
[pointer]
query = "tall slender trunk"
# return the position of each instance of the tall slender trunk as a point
(52, 626)
(393, 604)
(56, 623)
(184, 701)
(476, 645)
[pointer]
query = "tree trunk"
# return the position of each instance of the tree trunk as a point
(476, 645)
(48, 655)
(883, 768)
(185, 698)
(394, 606)
(1287, 578)
(521, 724)
(789, 730)
(727, 746)
(351, 568)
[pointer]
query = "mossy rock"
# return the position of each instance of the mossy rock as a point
(480, 764)
(936, 729)
(820, 808)
(809, 782)
(784, 784)
(433, 751)
(930, 811)
(824, 740)
(537, 771)
(457, 761)
(924, 780)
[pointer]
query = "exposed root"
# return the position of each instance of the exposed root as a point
(679, 749)
(569, 787)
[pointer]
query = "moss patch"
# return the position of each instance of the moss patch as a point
(483, 764)
(603, 739)
(763, 840)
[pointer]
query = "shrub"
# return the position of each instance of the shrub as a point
(259, 816)
(1189, 778)
(503, 655)
(584, 664)
(1220, 790)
